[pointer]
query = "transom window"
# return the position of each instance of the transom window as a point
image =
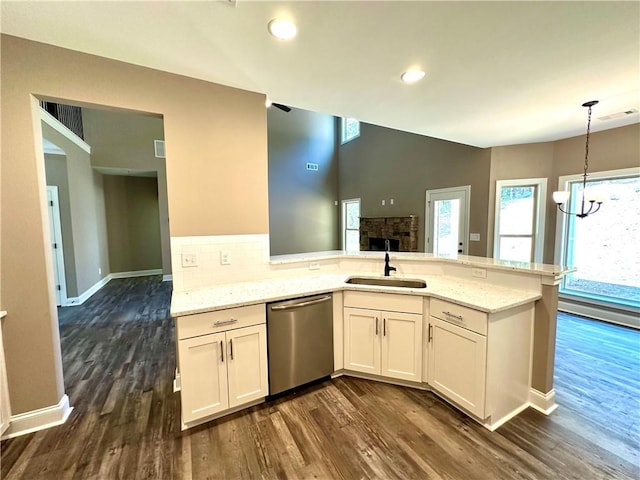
(350, 129)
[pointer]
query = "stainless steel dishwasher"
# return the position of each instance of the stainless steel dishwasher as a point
(300, 341)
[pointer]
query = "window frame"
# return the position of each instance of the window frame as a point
(562, 236)
(344, 220)
(537, 236)
(343, 130)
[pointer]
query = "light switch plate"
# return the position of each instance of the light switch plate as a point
(189, 260)
(225, 257)
(479, 273)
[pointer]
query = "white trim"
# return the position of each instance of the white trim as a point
(627, 319)
(344, 218)
(177, 382)
(562, 219)
(543, 402)
(541, 204)
(63, 130)
(58, 260)
(498, 423)
(136, 273)
(167, 277)
(74, 301)
(427, 217)
(35, 420)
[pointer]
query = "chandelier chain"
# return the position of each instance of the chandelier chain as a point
(586, 149)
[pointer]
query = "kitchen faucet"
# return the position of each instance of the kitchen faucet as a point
(387, 267)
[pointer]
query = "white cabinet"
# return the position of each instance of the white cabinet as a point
(480, 362)
(224, 364)
(5, 410)
(383, 342)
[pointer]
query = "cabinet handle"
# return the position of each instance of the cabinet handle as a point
(454, 316)
(376, 326)
(430, 333)
(384, 327)
(222, 351)
(225, 322)
(231, 345)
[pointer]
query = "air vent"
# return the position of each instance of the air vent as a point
(158, 146)
(613, 116)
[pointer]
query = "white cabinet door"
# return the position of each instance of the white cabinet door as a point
(203, 375)
(5, 410)
(401, 346)
(247, 364)
(457, 365)
(362, 340)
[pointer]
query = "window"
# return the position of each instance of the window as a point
(603, 247)
(519, 221)
(351, 225)
(350, 129)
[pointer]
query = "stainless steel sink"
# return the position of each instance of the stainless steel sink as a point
(388, 282)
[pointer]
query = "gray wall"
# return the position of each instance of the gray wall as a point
(124, 140)
(86, 211)
(303, 216)
(133, 223)
(384, 163)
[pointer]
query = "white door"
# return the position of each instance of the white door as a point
(457, 359)
(362, 340)
(203, 376)
(55, 228)
(402, 346)
(447, 221)
(247, 364)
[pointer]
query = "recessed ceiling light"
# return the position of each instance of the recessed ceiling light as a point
(412, 76)
(282, 28)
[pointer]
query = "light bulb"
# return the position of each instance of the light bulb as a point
(561, 197)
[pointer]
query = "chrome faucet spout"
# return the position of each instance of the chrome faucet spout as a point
(387, 268)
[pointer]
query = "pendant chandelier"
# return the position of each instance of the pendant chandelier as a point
(592, 203)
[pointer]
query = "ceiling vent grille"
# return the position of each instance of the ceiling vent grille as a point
(613, 116)
(158, 146)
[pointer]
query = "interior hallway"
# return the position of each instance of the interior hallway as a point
(119, 360)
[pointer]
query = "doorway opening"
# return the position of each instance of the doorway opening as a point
(447, 221)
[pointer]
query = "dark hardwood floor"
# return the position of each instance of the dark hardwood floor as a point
(118, 355)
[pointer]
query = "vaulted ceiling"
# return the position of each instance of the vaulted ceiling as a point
(497, 73)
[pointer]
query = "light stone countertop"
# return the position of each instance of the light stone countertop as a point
(478, 295)
(481, 262)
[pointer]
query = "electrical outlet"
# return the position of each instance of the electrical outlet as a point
(225, 257)
(314, 266)
(189, 260)
(391, 201)
(383, 202)
(474, 237)
(479, 273)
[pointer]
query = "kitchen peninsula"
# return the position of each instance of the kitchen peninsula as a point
(481, 334)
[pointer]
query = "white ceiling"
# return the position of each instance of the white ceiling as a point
(498, 73)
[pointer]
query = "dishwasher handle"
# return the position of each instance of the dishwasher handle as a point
(301, 304)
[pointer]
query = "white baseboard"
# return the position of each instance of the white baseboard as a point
(74, 301)
(619, 317)
(177, 386)
(136, 273)
(491, 426)
(35, 420)
(543, 402)
(167, 278)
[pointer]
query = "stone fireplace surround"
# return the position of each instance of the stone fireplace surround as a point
(402, 229)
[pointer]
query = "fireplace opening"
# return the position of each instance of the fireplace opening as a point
(378, 243)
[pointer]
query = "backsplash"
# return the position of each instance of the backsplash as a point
(196, 261)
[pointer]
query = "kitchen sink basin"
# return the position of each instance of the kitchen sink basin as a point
(388, 282)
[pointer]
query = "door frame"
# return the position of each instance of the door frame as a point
(428, 243)
(57, 253)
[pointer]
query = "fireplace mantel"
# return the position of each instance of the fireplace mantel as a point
(402, 229)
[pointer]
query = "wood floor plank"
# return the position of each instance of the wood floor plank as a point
(118, 354)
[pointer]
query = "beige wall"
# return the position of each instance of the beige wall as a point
(216, 181)
(613, 149)
(133, 223)
(125, 140)
(384, 163)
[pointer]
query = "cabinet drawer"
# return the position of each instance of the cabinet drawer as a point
(468, 318)
(210, 322)
(383, 301)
